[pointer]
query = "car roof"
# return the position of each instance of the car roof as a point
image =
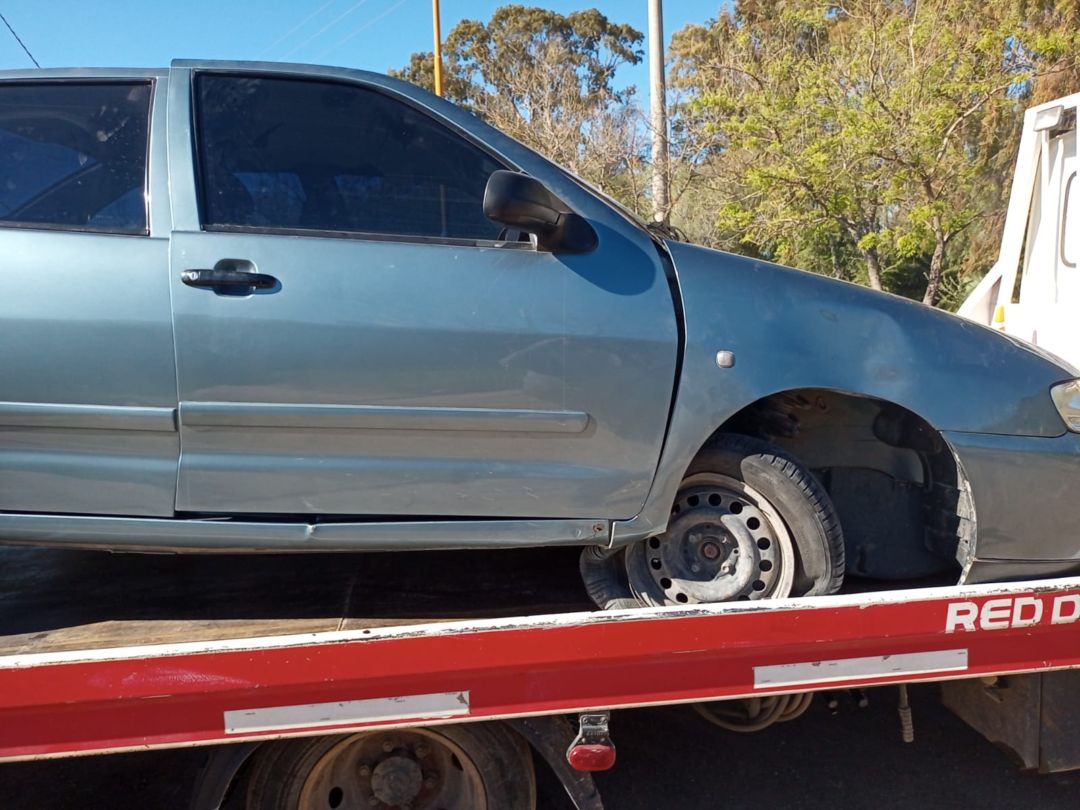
(83, 73)
(200, 64)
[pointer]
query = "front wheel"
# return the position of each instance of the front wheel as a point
(749, 522)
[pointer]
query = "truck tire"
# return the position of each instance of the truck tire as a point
(749, 522)
(485, 766)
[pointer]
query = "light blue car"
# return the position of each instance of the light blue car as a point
(257, 307)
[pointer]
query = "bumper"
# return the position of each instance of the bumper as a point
(1027, 501)
(980, 572)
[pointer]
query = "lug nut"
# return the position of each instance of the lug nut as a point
(364, 771)
(388, 746)
(430, 780)
(421, 750)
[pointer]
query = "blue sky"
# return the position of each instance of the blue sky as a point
(369, 34)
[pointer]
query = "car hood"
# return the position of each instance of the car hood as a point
(801, 330)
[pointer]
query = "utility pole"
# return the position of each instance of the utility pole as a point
(438, 47)
(658, 110)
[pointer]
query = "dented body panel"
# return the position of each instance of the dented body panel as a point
(792, 330)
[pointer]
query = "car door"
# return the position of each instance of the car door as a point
(87, 417)
(389, 355)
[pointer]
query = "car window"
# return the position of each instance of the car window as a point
(294, 154)
(276, 196)
(73, 155)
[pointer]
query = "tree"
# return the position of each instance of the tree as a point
(940, 77)
(548, 80)
(760, 90)
(874, 127)
(1054, 23)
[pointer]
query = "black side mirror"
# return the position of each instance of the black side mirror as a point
(519, 201)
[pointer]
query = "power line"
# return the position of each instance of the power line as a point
(21, 43)
(296, 27)
(362, 28)
(327, 27)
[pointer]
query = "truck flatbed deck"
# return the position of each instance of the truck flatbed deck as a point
(54, 600)
(113, 652)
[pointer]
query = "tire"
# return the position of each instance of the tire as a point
(751, 522)
(479, 765)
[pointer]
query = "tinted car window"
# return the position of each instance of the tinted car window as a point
(292, 154)
(73, 155)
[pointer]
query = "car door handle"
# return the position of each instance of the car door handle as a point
(227, 278)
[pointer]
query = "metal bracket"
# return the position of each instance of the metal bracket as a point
(592, 749)
(549, 735)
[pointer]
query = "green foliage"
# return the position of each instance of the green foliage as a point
(870, 140)
(548, 79)
(884, 127)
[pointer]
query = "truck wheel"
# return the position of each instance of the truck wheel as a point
(485, 766)
(749, 522)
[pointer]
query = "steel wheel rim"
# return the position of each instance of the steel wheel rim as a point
(725, 542)
(418, 769)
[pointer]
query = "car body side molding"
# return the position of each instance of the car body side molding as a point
(87, 417)
(378, 417)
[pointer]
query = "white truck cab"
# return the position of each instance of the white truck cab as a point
(1041, 239)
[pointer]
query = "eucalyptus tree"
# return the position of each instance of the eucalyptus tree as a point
(549, 80)
(879, 128)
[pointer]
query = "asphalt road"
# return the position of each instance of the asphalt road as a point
(671, 759)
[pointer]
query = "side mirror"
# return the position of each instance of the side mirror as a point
(519, 201)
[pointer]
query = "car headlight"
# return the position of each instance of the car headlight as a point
(1067, 401)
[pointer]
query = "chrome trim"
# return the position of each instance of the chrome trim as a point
(87, 417)
(378, 417)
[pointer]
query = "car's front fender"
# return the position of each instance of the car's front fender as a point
(790, 330)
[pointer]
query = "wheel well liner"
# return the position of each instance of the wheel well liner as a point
(904, 501)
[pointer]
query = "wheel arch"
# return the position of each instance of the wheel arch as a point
(829, 429)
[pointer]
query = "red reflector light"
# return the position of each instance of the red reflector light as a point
(585, 757)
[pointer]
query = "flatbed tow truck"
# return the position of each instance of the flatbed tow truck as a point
(109, 653)
(413, 696)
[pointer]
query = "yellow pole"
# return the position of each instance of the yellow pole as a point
(438, 47)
